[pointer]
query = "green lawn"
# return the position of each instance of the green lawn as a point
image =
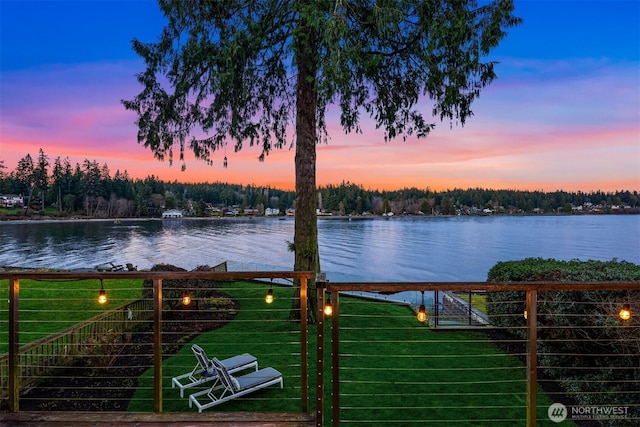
(260, 329)
(478, 301)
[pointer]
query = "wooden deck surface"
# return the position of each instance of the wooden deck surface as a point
(167, 419)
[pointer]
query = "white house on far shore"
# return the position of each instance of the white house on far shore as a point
(173, 213)
(271, 211)
(11, 201)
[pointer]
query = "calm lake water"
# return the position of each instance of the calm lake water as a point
(397, 249)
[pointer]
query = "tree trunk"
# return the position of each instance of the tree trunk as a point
(26, 208)
(305, 240)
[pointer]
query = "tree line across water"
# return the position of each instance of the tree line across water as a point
(89, 189)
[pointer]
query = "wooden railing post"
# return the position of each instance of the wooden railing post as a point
(532, 357)
(157, 344)
(320, 286)
(304, 345)
(335, 358)
(14, 369)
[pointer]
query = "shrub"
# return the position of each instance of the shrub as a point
(575, 327)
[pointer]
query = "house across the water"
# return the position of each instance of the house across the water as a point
(173, 213)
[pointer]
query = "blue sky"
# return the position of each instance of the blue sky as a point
(564, 112)
(42, 33)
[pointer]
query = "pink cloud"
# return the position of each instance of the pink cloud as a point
(573, 125)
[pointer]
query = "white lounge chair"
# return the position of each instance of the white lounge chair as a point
(231, 387)
(204, 371)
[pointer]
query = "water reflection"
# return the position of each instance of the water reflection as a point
(400, 249)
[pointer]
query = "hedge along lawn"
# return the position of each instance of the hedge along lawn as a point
(393, 369)
(47, 307)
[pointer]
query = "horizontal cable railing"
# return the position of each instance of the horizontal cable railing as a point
(40, 356)
(123, 355)
(487, 353)
(557, 356)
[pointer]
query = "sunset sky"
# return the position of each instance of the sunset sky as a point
(563, 114)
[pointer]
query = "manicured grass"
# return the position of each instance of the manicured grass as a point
(260, 329)
(47, 307)
(478, 301)
(396, 371)
(393, 370)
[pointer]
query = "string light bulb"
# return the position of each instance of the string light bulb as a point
(102, 295)
(186, 298)
(269, 298)
(328, 308)
(422, 311)
(625, 312)
(422, 314)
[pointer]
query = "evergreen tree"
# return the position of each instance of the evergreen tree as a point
(25, 176)
(246, 70)
(41, 176)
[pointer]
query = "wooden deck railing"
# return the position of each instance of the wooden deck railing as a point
(39, 357)
(53, 350)
(532, 326)
(54, 347)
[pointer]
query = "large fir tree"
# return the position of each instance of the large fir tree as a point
(245, 71)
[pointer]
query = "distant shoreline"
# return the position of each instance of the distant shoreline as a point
(49, 219)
